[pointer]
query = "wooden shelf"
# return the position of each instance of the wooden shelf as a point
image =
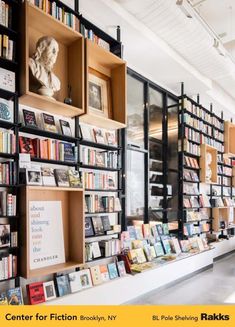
(204, 150)
(114, 68)
(219, 214)
(72, 202)
(69, 67)
(229, 135)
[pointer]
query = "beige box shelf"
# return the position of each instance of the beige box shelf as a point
(204, 150)
(229, 137)
(69, 67)
(219, 214)
(72, 201)
(114, 69)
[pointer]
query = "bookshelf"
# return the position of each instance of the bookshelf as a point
(69, 66)
(9, 159)
(72, 201)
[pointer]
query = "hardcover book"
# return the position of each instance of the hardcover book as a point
(14, 296)
(158, 249)
(29, 118)
(49, 123)
(62, 285)
(65, 128)
(104, 273)
(5, 236)
(98, 135)
(96, 275)
(106, 223)
(3, 299)
(75, 179)
(26, 145)
(121, 268)
(85, 278)
(7, 110)
(49, 290)
(95, 250)
(111, 138)
(74, 279)
(48, 176)
(68, 152)
(88, 227)
(97, 225)
(36, 293)
(62, 178)
(112, 268)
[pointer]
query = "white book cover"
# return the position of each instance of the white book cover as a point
(7, 80)
(75, 284)
(46, 236)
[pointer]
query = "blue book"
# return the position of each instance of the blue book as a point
(112, 268)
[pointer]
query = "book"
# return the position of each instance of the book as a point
(104, 273)
(5, 237)
(33, 176)
(95, 250)
(112, 269)
(98, 135)
(29, 118)
(65, 128)
(74, 279)
(88, 227)
(14, 296)
(158, 249)
(49, 290)
(97, 225)
(62, 285)
(68, 150)
(48, 176)
(106, 223)
(36, 293)
(6, 110)
(61, 177)
(75, 179)
(111, 138)
(96, 275)
(26, 145)
(3, 298)
(121, 268)
(49, 123)
(85, 278)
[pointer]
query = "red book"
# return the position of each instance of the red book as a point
(26, 145)
(36, 293)
(36, 147)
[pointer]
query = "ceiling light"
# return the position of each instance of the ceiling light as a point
(181, 4)
(219, 48)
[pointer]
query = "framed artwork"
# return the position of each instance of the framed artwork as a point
(99, 94)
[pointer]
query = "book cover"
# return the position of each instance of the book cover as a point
(96, 275)
(49, 290)
(48, 176)
(29, 118)
(36, 293)
(14, 296)
(5, 236)
(68, 152)
(98, 135)
(106, 223)
(65, 128)
(112, 269)
(95, 250)
(85, 278)
(158, 249)
(88, 227)
(26, 145)
(62, 178)
(62, 285)
(111, 138)
(97, 225)
(6, 110)
(3, 298)
(74, 279)
(75, 179)
(49, 123)
(121, 268)
(104, 273)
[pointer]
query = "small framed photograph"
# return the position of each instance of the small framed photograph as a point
(49, 290)
(65, 128)
(33, 176)
(99, 94)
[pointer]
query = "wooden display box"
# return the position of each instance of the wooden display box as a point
(219, 214)
(204, 150)
(229, 136)
(113, 69)
(69, 67)
(72, 201)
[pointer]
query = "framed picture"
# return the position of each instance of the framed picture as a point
(99, 94)
(33, 176)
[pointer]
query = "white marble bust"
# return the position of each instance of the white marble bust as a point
(208, 167)
(42, 63)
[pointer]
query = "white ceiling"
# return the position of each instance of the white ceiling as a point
(165, 46)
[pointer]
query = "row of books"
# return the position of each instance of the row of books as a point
(7, 172)
(201, 215)
(222, 202)
(5, 14)
(13, 296)
(99, 225)
(192, 135)
(89, 34)
(191, 162)
(191, 229)
(98, 135)
(192, 202)
(190, 189)
(8, 238)
(99, 180)
(218, 135)
(7, 47)
(190, 176)
(225, 170)
(48, 149)
(202, 113)
(48, 176)
(144, 231)
(201, 126)
(102, 249)
(7, 141)
(8, 267)
(47, 122)
(190, 147)
(73, 282)
(96, 203)
(51, 8)
(226, 181)
(218, 145)
(7, 204)
(106, 159)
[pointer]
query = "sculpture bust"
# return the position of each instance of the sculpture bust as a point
(208, 167)
(41, 65)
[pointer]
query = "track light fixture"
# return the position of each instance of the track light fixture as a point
(181, 4)
(218, 48)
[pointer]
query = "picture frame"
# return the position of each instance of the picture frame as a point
(99, 94)
(33, 176)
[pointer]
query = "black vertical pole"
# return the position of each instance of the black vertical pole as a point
(118, 33)
(164, 158)
(181, 164)
(146, 155)
(76, 6)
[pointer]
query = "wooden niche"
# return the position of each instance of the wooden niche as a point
(219, 215)
(69, 67)
(213, 151)
(229, 137)
(72, 203)
(106, 75)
